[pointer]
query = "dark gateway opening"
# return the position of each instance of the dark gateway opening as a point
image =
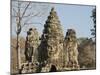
(53, 68)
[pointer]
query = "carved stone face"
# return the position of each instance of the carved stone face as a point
(52, 51)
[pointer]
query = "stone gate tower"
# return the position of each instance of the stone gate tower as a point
(71, 50)
(51, 47)
(31, 45)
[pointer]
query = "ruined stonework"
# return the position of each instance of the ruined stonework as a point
(53, 53)
(31, 52)
(51, 47)
(31, 45)
(71, 50)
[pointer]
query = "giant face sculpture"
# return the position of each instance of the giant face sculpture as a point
(54, 50)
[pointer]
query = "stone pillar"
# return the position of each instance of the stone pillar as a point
(51, 46)
(32, 42)
(71, 50)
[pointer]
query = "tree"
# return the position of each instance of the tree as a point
(94, 21)
(87, 59)
(13, 52)
(22, 13)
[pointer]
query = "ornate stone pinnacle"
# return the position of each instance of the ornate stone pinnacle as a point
(52, 9)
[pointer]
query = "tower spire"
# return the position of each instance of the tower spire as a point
(51, 46)
(52, 9)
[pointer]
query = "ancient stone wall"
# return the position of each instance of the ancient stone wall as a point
(53, 53)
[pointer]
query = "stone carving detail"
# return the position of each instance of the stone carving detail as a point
(29, 67)
(32, 42)
(53, 53)
(71, 49)
(51, 46)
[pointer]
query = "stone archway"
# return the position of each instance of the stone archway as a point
(53, 68)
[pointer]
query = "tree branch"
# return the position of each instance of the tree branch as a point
(30, 23)
(25, 9)
(30, 14)
(14, 10)
(31, 17)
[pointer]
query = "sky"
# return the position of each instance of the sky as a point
(76, 17)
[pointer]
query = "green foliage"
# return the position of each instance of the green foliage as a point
(93, 31)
